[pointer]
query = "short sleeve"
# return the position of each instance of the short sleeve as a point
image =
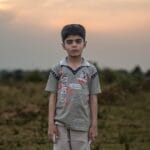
(95, 87)
(53, 78)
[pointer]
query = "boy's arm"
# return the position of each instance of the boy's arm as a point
(93, 107)
(52, 129)
(51, 108)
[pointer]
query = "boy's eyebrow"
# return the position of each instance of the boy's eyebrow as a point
(75, 39)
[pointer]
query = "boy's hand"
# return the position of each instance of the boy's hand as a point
(52, 132)
(92, 133)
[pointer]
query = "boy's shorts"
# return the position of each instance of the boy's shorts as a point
(71, 140)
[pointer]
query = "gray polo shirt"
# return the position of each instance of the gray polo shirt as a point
(73, 88)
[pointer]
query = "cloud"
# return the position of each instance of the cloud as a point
(6, 16)
(98, 16)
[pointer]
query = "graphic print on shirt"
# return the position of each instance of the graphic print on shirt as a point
(64, 89)
(83, 78)
(68, 86)
(75, 86)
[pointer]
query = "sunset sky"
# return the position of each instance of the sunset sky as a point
(118, 32)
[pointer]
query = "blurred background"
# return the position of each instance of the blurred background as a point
(118, 33)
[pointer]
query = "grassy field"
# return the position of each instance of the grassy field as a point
(123, 118)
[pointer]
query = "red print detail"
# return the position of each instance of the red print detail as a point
(81, 81)
(69, 91)
(60, 85)
(61, 72)
(66, 102)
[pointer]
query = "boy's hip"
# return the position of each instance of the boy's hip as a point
(72, 135)
(71, 139)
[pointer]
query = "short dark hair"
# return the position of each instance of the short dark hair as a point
(73, 29)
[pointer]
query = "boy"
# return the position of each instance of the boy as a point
(73, 84)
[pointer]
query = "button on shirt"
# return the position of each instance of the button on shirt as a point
(73, 88)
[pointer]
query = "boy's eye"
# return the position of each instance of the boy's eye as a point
(77, 41)
(69, 41)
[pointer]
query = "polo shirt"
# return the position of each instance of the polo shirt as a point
(73, 88)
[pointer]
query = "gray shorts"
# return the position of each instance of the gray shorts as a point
(71, 140)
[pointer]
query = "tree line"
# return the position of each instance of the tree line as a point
(107, 75)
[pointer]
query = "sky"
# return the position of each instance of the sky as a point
(118, 32)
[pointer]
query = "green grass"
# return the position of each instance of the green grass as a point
(123, 123)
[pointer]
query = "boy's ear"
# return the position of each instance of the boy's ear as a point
(63, 45)
(85, 43)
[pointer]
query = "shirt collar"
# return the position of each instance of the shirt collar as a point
(64, 62)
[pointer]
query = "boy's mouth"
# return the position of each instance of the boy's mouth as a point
(75, 50)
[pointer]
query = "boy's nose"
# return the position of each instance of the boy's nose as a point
(74, 43)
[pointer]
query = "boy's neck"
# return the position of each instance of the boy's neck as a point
(74, 62)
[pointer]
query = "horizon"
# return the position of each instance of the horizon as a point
(97, 66)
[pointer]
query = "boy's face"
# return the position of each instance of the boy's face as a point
(74, 45)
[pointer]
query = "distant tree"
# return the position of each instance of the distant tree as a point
(121, 74)
(18, 75)
(108, 75)
(137, 71)
(34, 76)
(45, 74)
(5, 75)
(147, 74)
